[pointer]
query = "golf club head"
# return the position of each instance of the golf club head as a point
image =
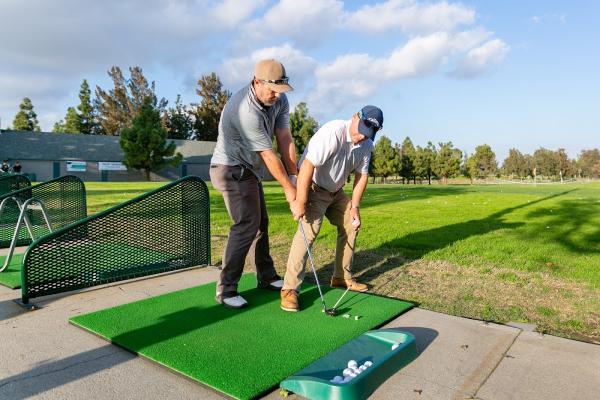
(330, 312)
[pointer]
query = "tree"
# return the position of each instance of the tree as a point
(516, 164)
(545, 162)
(447, 162)
(303, 127)
(407, 158)
(117, 108)
(208, 113)
(179, 122)
(87, 123)
(566, 167)
(425, 161)
(144, 143)
(482, 163)
(589, 163)
(384, 158)
(26, 118)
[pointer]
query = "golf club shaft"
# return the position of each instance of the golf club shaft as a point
(312, 264)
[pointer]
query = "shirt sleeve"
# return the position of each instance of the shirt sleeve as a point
(322, 145)
(283, 117)
(364, 167)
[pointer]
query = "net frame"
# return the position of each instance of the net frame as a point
(163, 230)
(64, 198)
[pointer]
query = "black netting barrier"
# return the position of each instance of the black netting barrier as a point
(11, 183)
(163, 230)
(63, 198)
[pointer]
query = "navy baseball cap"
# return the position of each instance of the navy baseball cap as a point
(371, 121)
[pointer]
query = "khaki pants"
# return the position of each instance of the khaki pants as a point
(336, 207)
(249, 232)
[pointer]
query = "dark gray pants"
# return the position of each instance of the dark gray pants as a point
(245, 202)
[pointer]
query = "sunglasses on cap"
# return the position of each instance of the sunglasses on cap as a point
(282, 81)
(370, 122)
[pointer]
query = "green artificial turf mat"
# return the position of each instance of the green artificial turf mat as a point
(242, 353)
(11, 276)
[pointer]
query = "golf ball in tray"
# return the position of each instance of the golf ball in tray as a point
(351, 372)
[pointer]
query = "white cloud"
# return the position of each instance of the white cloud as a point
(64, 41)
(232, 12)
(409, 16)
(303, 22)
(357, 76)
(179, 40)
(299, 67)
(479, 59)
(549, 18)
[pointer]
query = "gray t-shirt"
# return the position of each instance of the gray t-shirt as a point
(246, 128)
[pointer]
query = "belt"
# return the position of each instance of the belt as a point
(325, 190)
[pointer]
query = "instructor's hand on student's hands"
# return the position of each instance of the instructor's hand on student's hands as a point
(298, 210)
(290, 195)
(355, 216)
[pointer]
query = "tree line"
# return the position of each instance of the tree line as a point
(409, 163)
(132, 110)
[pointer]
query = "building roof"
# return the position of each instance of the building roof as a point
(15, 145)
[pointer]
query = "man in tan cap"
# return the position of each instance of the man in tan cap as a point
(248, 123)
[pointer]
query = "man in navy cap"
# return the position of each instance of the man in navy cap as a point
(337, 148)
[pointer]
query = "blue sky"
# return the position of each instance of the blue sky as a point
(509, 74)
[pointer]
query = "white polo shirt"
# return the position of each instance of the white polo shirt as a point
(334, 156)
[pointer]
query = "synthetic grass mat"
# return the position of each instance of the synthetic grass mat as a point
(11, 276)
(242, 353)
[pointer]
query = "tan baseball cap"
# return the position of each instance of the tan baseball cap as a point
(272, 73)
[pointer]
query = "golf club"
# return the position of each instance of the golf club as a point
(327, 311)
(334, 308)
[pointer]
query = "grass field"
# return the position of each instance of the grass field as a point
(494, 252)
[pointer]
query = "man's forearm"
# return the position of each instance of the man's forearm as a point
(276, 169)
(286, 147)
(360, 184)
(304, 180)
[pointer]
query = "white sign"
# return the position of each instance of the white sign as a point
(111, 166)
(76, 166)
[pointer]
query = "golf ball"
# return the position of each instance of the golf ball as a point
(347, 379)
(347, 372)
(368, 363)
(352, 364)
(362, 368)
(337, 379)
(395, 346)
(356, 318)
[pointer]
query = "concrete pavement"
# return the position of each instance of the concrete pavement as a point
(42, 356)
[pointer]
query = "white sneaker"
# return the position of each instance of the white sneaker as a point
(235, 302)
(276, 285)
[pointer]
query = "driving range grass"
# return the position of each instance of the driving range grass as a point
(494, 252)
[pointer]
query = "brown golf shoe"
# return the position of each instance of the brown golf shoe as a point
(348, 284)
(289, 300)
